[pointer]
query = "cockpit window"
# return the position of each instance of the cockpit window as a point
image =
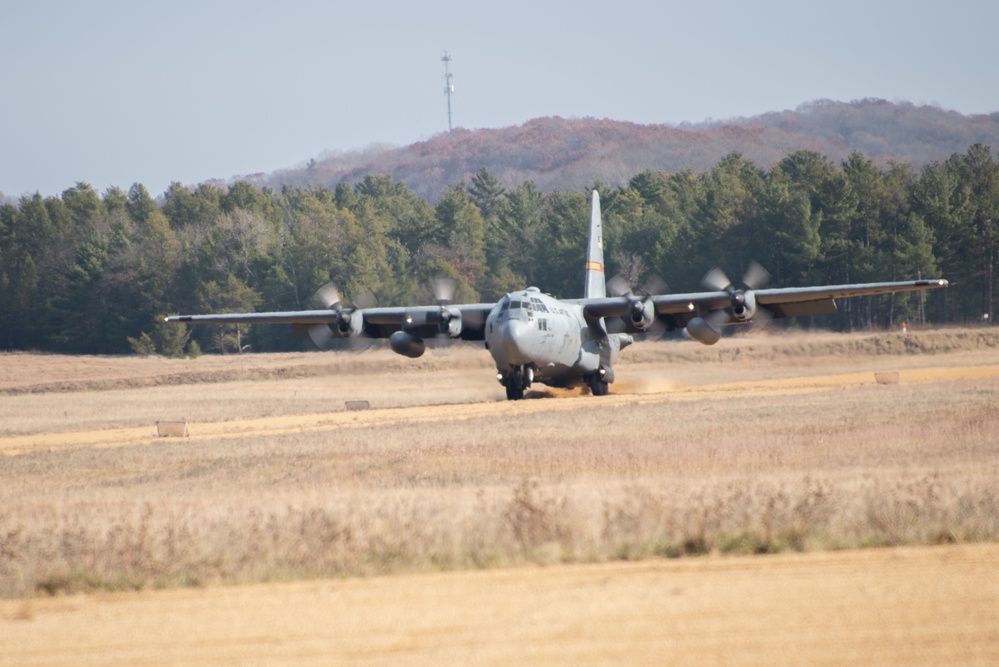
(514, 305)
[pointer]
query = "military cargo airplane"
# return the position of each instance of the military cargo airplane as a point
(536, 338)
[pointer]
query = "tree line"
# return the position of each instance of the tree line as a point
(94, 274)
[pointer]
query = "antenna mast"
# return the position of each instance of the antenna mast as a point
(448, 86)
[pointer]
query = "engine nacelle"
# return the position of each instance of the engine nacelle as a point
(407, 344)
(641, 314)
(701, 331)
(349, 323)
(743, 306)
(449, 322)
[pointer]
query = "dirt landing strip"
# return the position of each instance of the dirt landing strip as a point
(905, 606)
(631, 391)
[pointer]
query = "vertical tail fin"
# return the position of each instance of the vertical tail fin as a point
(594, 285)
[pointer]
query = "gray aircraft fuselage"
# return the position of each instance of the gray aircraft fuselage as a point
(534, 333)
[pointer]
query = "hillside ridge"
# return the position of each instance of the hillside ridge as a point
(573, 153)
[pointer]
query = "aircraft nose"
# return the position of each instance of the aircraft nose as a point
(508, 345)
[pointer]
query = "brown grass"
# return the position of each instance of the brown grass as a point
(903, 606)
(755, 446)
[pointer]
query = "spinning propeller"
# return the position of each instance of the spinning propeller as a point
(448, 321)
(641, 309)
(742, 302)
(429, 327)
(349, 324)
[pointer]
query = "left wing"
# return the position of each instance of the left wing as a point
(740, 305)
(798, 301)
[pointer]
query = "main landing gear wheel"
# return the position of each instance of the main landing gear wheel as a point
(598, 385)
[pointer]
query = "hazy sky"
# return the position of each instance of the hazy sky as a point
(116, 92)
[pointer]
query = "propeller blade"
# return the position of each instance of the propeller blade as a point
(439, 345)
(444, 289)
(716, 319)
(328, 296)
(360, 343)
(716, 280)
(366, 299)
(656, 331)
(618, 286)
(756, 276)
(655, 286)
(761, 319)
(321, 335)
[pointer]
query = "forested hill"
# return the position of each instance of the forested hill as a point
(570, 154)
(89, 272)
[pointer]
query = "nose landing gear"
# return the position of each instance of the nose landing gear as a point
(517, 380)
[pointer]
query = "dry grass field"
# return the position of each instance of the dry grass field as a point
(781, 445)
(903, 606)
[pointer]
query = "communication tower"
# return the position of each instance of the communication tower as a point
(448, 86)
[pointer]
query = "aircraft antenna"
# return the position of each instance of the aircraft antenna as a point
(448, 86)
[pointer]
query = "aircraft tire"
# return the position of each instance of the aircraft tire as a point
(598, 386)
(515, 385)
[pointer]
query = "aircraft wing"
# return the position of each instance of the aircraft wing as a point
(679, 309)
(797, 301)
(422, 321)
(285, 317)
